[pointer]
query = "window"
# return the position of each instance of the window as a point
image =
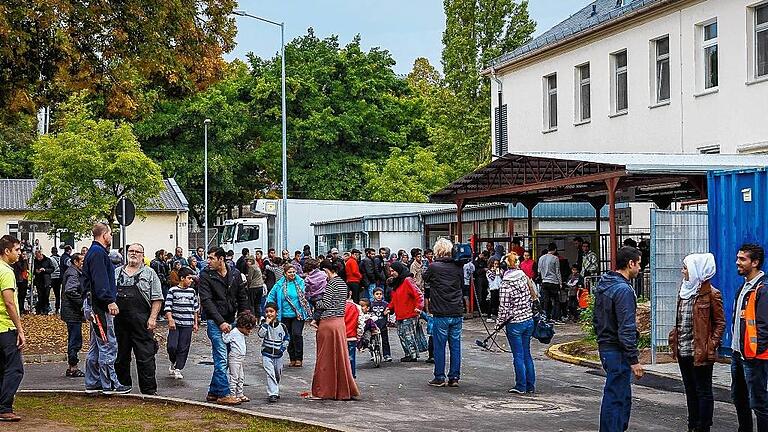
(709, 50)
(550, 102)
(619, 93)
(662, 69)
(502, 138)
(247, 233)
(583, 94)
(761, 41)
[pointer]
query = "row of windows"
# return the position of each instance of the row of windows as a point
(706, 70)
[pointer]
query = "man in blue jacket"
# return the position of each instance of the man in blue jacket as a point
(616, 331)
(101, 291)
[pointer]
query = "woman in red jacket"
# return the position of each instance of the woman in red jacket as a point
(407, 303)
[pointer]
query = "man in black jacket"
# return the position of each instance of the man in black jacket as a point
(446, 304)
(223, 294)
(42, 268)
(368, 269)
(616, 331)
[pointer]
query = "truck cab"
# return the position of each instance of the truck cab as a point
(251, 233)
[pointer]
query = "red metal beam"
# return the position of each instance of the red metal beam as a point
(600, 177)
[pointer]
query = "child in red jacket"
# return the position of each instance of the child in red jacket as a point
(354, 329)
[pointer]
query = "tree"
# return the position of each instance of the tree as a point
(127, 53)
(86, 167)
(407, 175)
(17, 134)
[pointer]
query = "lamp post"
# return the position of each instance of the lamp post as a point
(284, 224)
(206, 123)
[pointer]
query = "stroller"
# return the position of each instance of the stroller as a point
(372, 341)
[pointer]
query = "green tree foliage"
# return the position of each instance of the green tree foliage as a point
(128, 53)
(17, 133)
(86, 167)
(407, 175)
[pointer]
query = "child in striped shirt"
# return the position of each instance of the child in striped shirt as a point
(181, 311)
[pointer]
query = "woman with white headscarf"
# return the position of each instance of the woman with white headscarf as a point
(694, 340)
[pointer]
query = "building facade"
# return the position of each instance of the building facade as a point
(639, 76)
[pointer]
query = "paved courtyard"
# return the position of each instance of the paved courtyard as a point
(396, 396)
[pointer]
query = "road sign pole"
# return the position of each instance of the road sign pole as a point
(122, 233)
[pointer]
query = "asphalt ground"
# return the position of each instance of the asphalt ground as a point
(396, 396)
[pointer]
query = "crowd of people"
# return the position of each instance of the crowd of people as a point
(348, 297)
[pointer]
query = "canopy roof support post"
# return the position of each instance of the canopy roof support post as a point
(529, 204)
(612, 184)
(459, 219)
(597, 203)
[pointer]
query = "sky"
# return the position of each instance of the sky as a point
(407, 28)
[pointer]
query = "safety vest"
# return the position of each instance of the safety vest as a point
(750, 339)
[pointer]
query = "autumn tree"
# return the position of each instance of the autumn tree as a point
(86, 167)
(127, 53)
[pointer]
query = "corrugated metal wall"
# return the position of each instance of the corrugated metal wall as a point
(403, 223)
(674, 234)
(738, 209)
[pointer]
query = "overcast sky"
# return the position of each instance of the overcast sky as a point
(407, 28)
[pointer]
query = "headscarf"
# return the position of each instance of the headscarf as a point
(701, 268)
(402, 272)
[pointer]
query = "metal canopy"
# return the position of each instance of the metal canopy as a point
(597, 178)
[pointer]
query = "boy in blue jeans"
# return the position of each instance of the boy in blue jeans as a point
(378, 306)
(275, 341)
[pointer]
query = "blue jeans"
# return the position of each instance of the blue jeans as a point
(519, 338)
(219, 381)
(617, 394)
(748, 391)
(352, 348)
(447, 330)
(100, 362)
(74, 342)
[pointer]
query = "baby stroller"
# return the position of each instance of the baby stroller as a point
(371, 341)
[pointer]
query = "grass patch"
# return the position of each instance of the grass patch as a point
(585, 348)
(81, 413)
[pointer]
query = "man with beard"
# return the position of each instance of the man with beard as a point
(140, 298)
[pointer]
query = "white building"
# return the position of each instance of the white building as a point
(639, 76)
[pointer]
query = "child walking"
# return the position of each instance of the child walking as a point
(236, 341)
(354, 329)
(182, 313)
(378, 306)
(275, 341)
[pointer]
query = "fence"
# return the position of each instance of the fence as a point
(674, 234)
(197, 238)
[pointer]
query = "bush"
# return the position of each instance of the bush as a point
(586, 320)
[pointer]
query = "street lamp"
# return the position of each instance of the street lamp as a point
(206, 123)
(285, 152)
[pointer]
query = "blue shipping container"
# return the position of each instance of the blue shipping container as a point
(738, 214)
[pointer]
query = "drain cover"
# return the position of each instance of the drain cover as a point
(526, 405)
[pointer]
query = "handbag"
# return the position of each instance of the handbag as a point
(542, 331)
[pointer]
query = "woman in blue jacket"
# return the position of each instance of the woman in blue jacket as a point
(293, 310)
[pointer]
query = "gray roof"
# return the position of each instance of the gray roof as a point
(605, 11)
(662, 163)
(15, 193)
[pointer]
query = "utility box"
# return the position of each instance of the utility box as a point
(738, 214)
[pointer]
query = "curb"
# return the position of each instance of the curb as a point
(44, 358)
(193, 403)
(555, 353)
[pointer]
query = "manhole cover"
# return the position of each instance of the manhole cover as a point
(526, 405)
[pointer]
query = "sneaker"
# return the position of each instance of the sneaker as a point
(92, 390)
(431, 360)
(244, 398)
(122, 389)
(489, 320)
(437, 383)
(515, 391)
(408, 359)
(77, 373)
(211, 397)
(453, 383)
(273, 398)
(177, 374)
(388, 359)
(10, 417)
(172, 370)
(228, 400)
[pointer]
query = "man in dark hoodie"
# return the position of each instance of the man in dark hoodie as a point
(616, 331)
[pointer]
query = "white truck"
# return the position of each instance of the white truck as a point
(252, 233)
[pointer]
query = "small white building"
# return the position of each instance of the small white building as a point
(638, 76)
(162, 226)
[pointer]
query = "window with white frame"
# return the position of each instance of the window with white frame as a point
(761, 40)
(709, 55)
(661, 52)
(619, 91)
(583, 94)
(550, 102)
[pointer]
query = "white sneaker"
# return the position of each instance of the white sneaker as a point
(172, 369)
(177, 374)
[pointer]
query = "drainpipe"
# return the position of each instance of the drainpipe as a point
(177, 228)
(500, 103)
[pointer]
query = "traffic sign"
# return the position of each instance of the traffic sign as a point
(125, 212)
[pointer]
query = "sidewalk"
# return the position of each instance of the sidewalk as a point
(721, 374)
